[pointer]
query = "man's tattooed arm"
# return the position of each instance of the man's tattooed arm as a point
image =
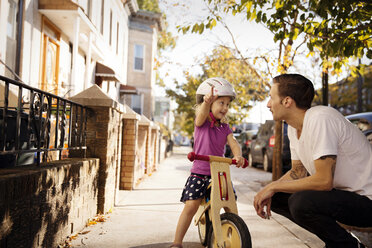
(298, 171)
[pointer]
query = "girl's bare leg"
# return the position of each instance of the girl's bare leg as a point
(188, 212)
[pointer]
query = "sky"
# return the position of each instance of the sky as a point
(191, 47)
(251, 38)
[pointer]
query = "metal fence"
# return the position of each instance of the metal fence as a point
(37, 126)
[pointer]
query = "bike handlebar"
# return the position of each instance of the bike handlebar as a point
(192, 156)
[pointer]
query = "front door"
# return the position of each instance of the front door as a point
(50, 65)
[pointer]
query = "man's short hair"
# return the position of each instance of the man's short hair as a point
(296, 86)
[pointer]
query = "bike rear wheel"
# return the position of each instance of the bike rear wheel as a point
(203, 228)
(234, 231)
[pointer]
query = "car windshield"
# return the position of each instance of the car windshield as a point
(361, 123)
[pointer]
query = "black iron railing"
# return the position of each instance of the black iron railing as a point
(37, 126)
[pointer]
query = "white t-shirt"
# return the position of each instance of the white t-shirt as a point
(326, 132)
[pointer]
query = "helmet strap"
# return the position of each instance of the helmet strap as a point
(213, 119)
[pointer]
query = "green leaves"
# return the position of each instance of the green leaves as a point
(335, 28)
(198, 28)
(149, 5)
(343, 94)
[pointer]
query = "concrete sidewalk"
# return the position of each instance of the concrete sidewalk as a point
(147, 216)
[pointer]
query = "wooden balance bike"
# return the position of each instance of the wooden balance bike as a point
(227, 230)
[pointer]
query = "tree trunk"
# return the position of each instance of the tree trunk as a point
(277, 165)
(325, 87)
(360, 82)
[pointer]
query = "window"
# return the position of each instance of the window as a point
(138, 57)
(110, 27)
(123, 48)
(102, 14)
(117, 38)
(161, 108)
(89, 9)
(12, 22)
(11, 44)
(136, 103)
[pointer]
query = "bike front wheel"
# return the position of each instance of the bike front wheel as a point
(234, 231)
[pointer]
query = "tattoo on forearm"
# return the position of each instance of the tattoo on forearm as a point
(298, 172)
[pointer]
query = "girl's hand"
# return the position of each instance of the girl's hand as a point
(239, 161)
(209, 98)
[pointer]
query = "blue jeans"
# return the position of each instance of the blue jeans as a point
(318, 211)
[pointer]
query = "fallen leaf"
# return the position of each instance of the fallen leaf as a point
(74, 236)
(100, 218)
(92, 222)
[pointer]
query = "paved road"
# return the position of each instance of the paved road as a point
(147, 216)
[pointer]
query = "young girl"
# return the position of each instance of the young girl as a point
(213, 98)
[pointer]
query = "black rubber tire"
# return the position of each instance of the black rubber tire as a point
(250, 160)
(203, 229)
(266, 164)
(240, 228)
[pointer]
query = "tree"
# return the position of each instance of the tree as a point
(336, 29)
(220, 63)
(149, 5)
(184, 95)
(343, 95)
(244, 77)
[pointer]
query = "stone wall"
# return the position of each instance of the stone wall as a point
(104, 142)
(139, 149)
(129, 153)
(41, 206)
(104, 134)
(140, 169)
(153, 150)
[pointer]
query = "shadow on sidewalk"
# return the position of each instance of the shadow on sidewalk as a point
(165, 245)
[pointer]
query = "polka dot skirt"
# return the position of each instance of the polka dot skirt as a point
(195, 187)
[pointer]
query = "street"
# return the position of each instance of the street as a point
(147, 216)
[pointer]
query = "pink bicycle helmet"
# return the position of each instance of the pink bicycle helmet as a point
(221, 88)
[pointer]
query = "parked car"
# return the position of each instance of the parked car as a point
(262, 144)
(364, 122)
(228, 152)
(245, 139)
(245, 126)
